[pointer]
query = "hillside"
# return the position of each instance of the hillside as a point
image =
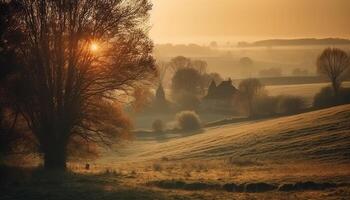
(315, 136)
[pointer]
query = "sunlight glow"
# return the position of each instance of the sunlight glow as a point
(94, 47)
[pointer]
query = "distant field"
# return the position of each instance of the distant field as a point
(288, 80)
(307, 91)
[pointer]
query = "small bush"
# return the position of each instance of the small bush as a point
(291, 104)
(259, 187)
(188, 120)
(266, 105)
(327, 98)
(324, 98)
(271, 105)
(158, 126)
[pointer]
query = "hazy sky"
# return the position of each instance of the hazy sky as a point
(201, 21)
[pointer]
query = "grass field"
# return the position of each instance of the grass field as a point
(309, 154)
(319, 135)
(304, 147)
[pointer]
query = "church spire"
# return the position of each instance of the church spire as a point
(212, 88)
(160, 94)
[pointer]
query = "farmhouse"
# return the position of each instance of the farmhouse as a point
(220, 97)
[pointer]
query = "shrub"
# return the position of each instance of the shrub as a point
(259, 187)
(188, 120)
(324, 98)
(158, 126)
(327, 98)
(266, 105)
(291, 104)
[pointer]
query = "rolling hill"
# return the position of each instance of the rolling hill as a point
(322, 136)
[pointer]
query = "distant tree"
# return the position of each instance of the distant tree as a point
(77, 58)
(250, 89)
(180, 62)
(186, 79)
(190, 80)
(246, 62)
(142, 97)
(200, 66)
(300, 72)
(271, 72)
(214, 44)
(164, 72)
(186, 87)
(333, 63)
(246, 66)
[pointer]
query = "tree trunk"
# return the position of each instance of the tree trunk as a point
(335, 86)
(55, 156)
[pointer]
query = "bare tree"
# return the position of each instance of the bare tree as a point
(78, 58)
(333, 63)
(200, 65)
(250, 88)
(180, 62)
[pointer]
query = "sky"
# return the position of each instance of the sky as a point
(203, 21)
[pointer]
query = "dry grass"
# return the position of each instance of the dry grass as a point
(312, 146)
(318, 136)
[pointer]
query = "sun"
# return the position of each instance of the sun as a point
(94, 47)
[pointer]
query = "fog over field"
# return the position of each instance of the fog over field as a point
(174, 99)
(225, 58)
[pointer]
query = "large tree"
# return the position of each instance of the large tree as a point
(77, 58)
(7, 67)
(333, 63)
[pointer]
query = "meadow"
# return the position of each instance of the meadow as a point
(310, 151)
(304, 156)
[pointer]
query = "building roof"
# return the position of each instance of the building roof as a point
(224, 90)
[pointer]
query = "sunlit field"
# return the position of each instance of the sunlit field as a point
(307, 91)
(243, 153)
